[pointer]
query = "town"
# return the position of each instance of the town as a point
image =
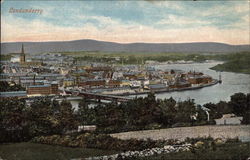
(124, 80)
(56, 74)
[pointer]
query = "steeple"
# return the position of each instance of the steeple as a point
(22, 49)
(22, 57)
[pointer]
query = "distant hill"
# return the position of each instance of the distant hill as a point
(93, 45)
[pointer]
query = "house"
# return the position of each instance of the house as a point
(113, 83)
(125, 83)
(229, 119)
(87, 128)
(93, 82)
(129, 75)
(68, 82)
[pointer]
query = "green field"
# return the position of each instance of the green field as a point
(32, 151)
(228, 151)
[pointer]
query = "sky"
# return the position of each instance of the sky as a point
(127, 21)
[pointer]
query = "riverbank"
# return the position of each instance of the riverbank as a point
(238, 63)
(213, 82)
(181, 133)
(227, 68)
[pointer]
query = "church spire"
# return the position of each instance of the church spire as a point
(22, 57)
(22, 49)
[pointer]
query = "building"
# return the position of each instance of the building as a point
(113, 83)
(87, 128)
(229, 119)
(19, 94)
(180, 84)
(68, 82)
(157, 87)
(93, 83)
(199, 79)
(125, 83)
(54, 88)
(23, 61)
(45, 89)
(22, 56)
(129, 75)
(98, 69)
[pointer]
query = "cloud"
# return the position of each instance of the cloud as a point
(176, 22)
(166, 4)
(18, 29)
(181, 20)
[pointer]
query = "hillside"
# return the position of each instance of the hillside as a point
(238, 63)
(93, 45)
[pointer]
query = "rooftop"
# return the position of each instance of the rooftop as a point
(13, 94)
(35, 86)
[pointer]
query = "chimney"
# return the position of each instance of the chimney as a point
(34, 79)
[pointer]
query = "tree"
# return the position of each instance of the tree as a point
(41, 118)
(213, 112)
(239, 104)
(202, 116)
(223, 108)
(67, 119)
(168, 111)
(85, 114)
(55, 107)
(6, 87)
(13, 125)
(185, 111)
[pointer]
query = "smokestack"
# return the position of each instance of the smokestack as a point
(34, 79)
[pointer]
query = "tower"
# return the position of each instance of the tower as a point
(22, 57)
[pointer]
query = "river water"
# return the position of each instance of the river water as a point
(231, 83)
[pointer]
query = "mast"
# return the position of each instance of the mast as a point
(220, 81)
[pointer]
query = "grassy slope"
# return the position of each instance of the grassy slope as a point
(31, 151)
(232, 151)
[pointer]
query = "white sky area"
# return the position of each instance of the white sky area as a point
(127, 21)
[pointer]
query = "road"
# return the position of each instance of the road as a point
(181, 133)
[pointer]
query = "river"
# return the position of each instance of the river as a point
(231, 83)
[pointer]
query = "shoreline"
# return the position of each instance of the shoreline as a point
(214, 82)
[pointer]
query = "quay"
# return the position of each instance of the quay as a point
(214, 82)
